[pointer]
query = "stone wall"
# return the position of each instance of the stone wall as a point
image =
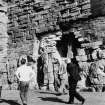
(29, 19)
(90, 33)
(3, 41)
(93, 29)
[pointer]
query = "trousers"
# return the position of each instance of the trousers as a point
(74, 94)
(0, 90)
(23, 86)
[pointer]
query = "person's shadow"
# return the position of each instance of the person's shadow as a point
(53, 99)
(10, 102)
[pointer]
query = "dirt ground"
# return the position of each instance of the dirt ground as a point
(47, 98)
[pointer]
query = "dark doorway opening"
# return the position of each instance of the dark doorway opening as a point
(68, 40)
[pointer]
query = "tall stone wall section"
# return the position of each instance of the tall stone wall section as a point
(28, 19)
(3, 42)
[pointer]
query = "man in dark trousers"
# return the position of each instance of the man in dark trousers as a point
(73, 77)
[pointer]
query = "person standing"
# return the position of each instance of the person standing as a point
(1, 79)
(73, 77)
(63, 77)
(45, 71)
(56, 75)
(24, 74)
(34, 82)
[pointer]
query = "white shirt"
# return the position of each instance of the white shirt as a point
(25, 73)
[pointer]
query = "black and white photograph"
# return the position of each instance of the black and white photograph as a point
(52, 52)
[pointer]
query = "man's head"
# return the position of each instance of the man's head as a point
(23, 61)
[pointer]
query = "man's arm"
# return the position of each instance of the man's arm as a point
(17, 74)
(32, 75)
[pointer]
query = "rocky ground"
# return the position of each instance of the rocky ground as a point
(47, 98)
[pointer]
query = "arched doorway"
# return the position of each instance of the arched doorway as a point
(68, 42)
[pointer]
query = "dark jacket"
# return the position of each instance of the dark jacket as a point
(73, 70)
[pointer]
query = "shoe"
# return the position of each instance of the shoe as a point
(83, 101)
(58, 94)
(70, 102)
(24, 104)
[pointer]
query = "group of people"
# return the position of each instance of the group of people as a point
(52, 73)
(25, 75)
(63, 78)
(69, 73)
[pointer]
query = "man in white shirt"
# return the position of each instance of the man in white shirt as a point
(24, 74)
